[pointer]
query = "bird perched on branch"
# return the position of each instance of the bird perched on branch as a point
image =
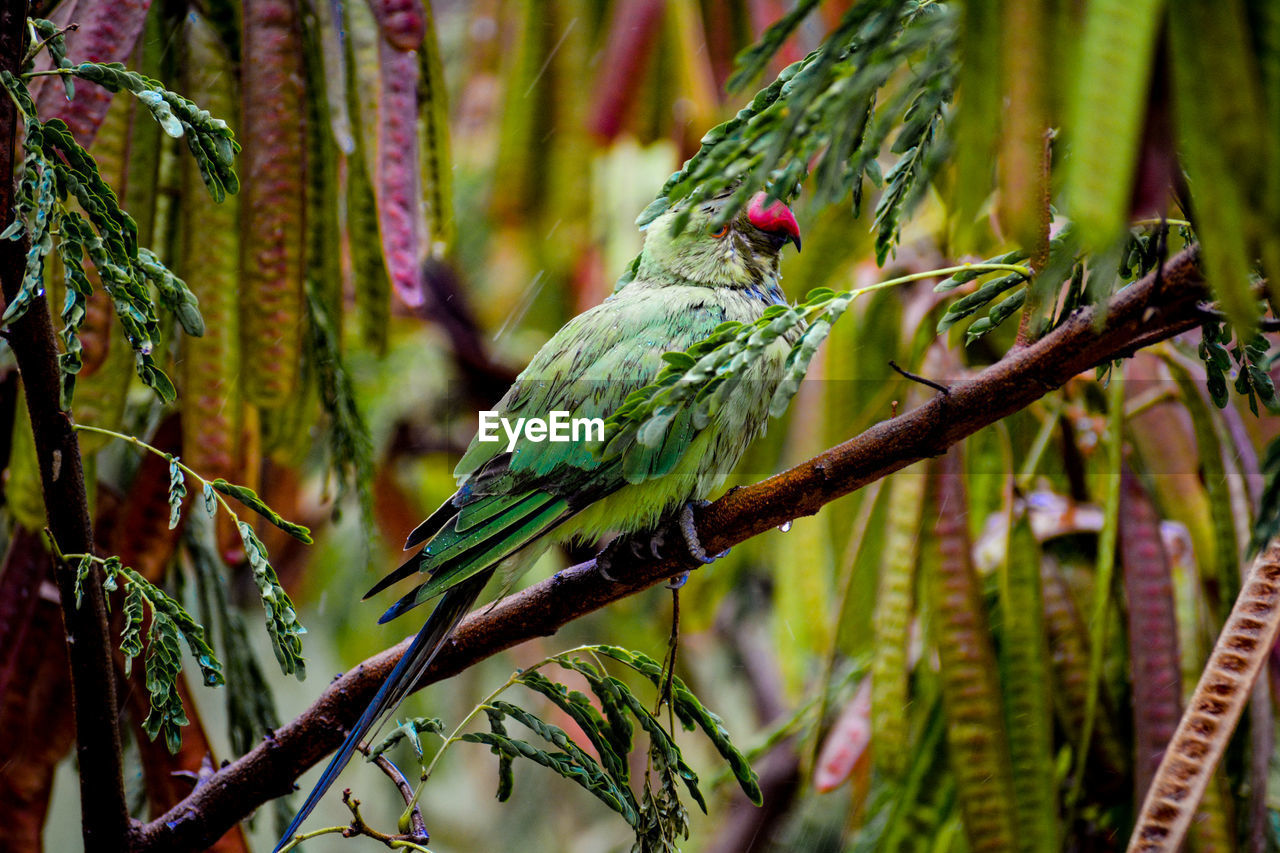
(514, 499)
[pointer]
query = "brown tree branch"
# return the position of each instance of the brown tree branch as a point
(105, 816)
(1023, 376)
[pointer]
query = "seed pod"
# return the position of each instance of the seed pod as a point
(433, 144)
(274, 200)
(978, 746)
(372, 286)
(397, 183)
(364, 92)
(1069, 653)
(1213, 711)
(403, 23)
(107, 33)
(890, 671)
(846, 744)
(324, 234)
(22, 489)
(210, 246)
(1224, 568)
(1153, 630)
(1024, 653)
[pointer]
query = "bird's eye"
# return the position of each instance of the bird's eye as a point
(721, 231)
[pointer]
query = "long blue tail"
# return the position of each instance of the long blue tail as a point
(454, 604)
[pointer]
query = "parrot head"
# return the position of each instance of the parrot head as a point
(740, 253)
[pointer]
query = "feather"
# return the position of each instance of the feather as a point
(434, 522)
(473, 554)
(404, 676)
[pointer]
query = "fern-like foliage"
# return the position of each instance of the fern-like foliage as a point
(63, 204)
(350, 446)
(210, 139)
(251, 710)
(1252, 362)
(282, 619)
(170, 626)
(832, 103)
(881, 85)
(609, 719)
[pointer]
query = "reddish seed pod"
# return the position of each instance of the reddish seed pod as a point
(1153, 630)
(272, 202)
(399, 207)
(403, 23)
(846, 744)
(210, 263)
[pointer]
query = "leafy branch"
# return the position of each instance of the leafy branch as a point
(210, 139)
(705, 376)
(63, 200)
(170, 622)
(659, 817)
(282, 619)
(1252, 365)
(825, 106)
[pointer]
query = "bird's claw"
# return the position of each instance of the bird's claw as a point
(690, 533)
(604, 561)
(655, 544)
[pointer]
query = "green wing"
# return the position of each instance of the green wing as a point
(508, 499)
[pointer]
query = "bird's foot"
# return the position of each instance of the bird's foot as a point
(639, 548)
(604, 560)
(652, 548)
(690, 533)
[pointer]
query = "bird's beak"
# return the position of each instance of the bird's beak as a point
(778, 239)
(774, 219)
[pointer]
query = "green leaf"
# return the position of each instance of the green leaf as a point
(82, 574)
(970, 303)
(752, 60)
(131, 636)
(174, 293)
(691, 713)
(177, 491)
(249, 498)
(409, 730)
(155, 102)
(282, 620)
(572, 763)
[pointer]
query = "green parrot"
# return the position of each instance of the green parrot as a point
(517, 498)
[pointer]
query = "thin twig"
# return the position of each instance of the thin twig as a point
(1265, 324)
(359, 827)
(406, 790)
(40, 45)
(937, 386)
